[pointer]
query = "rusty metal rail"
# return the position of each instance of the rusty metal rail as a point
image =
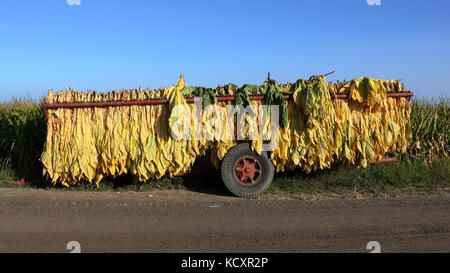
(189, 100)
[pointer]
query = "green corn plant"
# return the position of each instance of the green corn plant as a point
(430, 124)
(22, 133)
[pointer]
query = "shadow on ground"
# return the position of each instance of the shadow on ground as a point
(208, 183)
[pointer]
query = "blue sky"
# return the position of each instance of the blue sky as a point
(106, 45)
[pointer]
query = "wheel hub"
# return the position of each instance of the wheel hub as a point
(247, 170)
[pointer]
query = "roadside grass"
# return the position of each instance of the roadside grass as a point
(121, 184)
(377, 179)
(125, 184)
(7, 176)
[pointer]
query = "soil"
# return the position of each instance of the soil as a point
(37, 220)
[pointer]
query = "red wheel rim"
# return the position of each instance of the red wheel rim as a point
(247, 170)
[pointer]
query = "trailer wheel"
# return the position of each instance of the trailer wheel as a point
(245, 173)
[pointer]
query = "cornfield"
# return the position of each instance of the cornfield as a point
(22, 133)
(430, 120)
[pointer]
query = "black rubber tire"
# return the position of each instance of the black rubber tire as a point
(230, 181)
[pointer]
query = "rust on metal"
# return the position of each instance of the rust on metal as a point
(47, 106)
(104, 104)
(247, 170)
(189, 100)
(387, 160)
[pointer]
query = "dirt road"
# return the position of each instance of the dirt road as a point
(184, 221)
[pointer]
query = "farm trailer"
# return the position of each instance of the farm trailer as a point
(96, 135)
